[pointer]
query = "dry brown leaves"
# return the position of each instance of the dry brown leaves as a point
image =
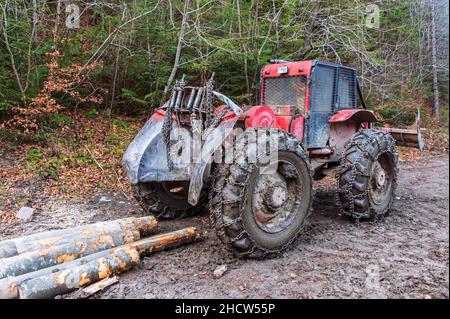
(86, 159)
(436, 143)
(94, 165)
(68, 82)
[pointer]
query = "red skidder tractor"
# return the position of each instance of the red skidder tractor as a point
(312, 108)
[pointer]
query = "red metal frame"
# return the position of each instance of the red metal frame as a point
(284, 117)
(264, 116)
(301, 68)
(294, 69)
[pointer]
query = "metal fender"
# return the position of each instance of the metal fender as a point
(145, 159)
(358, 115)
(212, 142)
(135, 151)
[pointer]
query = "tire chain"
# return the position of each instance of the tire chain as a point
(372, 135)
(216, 201)
(142, 195)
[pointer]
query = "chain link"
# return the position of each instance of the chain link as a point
(290, 143)
(345, 164)
(208, 106)
(215, 122)
(166, 131)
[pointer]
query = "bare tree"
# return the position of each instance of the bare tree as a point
(4, 31)
(309, 31)
(176, 62)
(436, 107)
(58, 14)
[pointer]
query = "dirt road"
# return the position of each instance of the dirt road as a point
(405, 255)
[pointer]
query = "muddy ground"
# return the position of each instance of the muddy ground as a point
(405, 255)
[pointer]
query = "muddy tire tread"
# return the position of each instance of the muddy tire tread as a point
(353, 175)
(227, 200)
(149, 200)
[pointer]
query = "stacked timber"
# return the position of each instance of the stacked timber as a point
(52, 263)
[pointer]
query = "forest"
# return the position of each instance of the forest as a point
(80, 78)
(121, 57)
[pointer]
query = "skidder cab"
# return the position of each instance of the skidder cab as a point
(312, 116)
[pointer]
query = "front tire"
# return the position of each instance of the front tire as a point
(367, 175)
(257, 214)
(166, 200)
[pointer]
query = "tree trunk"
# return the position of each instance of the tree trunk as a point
(51, 285)
(436, 107)
(178, 52)
(58, 13)
(59, 254)
(8, 285)
(309, 31)
(11, 54)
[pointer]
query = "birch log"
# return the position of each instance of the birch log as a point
(61, 279)
(117, 229)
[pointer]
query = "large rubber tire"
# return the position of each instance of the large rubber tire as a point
(157, 199)
(359, 194)
(231, 198)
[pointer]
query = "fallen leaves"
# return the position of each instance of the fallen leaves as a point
(67, 82)
(86, 159)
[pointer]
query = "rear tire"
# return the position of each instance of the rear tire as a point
(166, 200)
(246, 209)
(367, 175)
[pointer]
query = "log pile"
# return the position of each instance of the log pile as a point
(52, 263)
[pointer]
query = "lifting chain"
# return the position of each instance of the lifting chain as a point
(197, 124)
(208, 103)
(167, 124)
(215, 121)
(165, 132)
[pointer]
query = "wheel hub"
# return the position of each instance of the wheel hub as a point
(380, 175)
(276, 196)
(380, 182)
